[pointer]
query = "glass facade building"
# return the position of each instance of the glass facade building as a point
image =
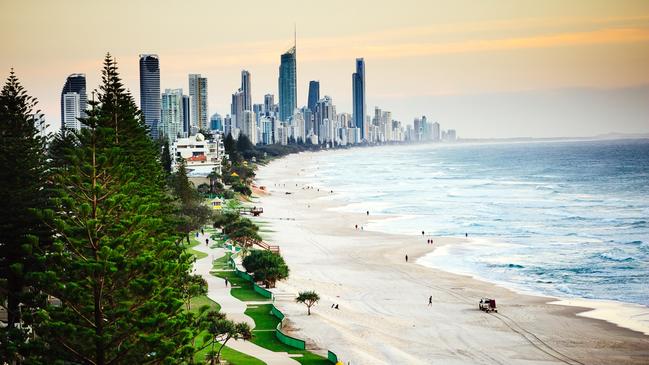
(150, 92)
(287, 85)
(358, 92)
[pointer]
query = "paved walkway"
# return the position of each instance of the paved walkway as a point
(233, 307)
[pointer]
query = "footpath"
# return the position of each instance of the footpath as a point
(232, 307)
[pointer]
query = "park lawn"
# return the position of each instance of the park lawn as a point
(264, 321)
(193, 243)
(245, 291)
(197, 302)
(233, 357)
(222, 263)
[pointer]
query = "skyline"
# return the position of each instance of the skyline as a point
(557, 70)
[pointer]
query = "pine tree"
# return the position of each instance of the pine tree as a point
(23, 189)
(115, 267)
(165, 157)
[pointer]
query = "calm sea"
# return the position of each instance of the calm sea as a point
(558, 218)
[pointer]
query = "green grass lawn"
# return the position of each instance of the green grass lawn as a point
(265, 320)
(222, 263)
(193, 243)
(202, 300)
(232, 356)
(245, 292)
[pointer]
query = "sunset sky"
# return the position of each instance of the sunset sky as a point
(486, 68)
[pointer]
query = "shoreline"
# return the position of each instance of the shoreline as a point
(573, 314)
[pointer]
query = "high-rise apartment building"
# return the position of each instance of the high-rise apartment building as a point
(248, 126)
(325, 110)
(75, 83)
(150, 92)
(198, 101)
(71, 111)
(314, 95)
(436, 132)
(216, 122)
(287, 84)
(358, 94)
(245, 88)
(187, 125)
(237, 108)
(269, 104)
(171, 125)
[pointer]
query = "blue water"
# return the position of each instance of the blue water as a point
(559, 218)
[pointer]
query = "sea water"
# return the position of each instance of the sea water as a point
(557, 218)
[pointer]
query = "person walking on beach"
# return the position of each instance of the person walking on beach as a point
(466, 235)
(406, 258)
(356, 227)
(368, 212)
(422, 233)
(430, 300)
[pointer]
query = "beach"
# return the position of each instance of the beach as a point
(384, 316)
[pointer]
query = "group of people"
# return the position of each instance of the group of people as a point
(334, 306)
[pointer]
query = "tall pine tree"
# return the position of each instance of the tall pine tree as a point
(23, 189)
(116, 267)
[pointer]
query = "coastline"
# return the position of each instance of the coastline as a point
(314, 236)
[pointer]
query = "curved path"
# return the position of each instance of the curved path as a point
(233, 307)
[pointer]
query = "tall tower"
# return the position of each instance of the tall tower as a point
(237, 108)
(314, 95)
(187, 128)
(245, 87)
(358, 91)
(288, 83)
(75, 83)
(150, 92)
(198, 101)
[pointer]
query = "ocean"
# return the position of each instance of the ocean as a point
(567, 219)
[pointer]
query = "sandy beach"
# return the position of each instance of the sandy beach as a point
(384, 316)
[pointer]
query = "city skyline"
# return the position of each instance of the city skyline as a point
(500, 71)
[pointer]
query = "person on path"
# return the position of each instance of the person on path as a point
(202, 232)
(207, 242)
(430, 301)
(406, 258)
(226, 281)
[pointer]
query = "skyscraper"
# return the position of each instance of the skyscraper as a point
(269, 104)
(324, 118)
(187, 128)
(248, 126)
(314, 95)
(245, 88)
(171, 125)
(150, 91)
(75, 83)
(436, 132)
(237, 108)
(71, 111)
(358, 91)
(198, 101)
(287, 85)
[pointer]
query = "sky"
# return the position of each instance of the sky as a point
(489, 69)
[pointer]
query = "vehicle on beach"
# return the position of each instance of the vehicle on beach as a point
(488, 305)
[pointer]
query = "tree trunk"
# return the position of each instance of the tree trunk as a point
(308, 310)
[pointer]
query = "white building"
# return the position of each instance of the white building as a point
(201, 156)
(171, 125)
(249, 126)
(71, 111)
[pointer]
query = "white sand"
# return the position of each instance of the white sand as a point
(384, 317)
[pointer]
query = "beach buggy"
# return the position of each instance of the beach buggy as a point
(488, 305)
